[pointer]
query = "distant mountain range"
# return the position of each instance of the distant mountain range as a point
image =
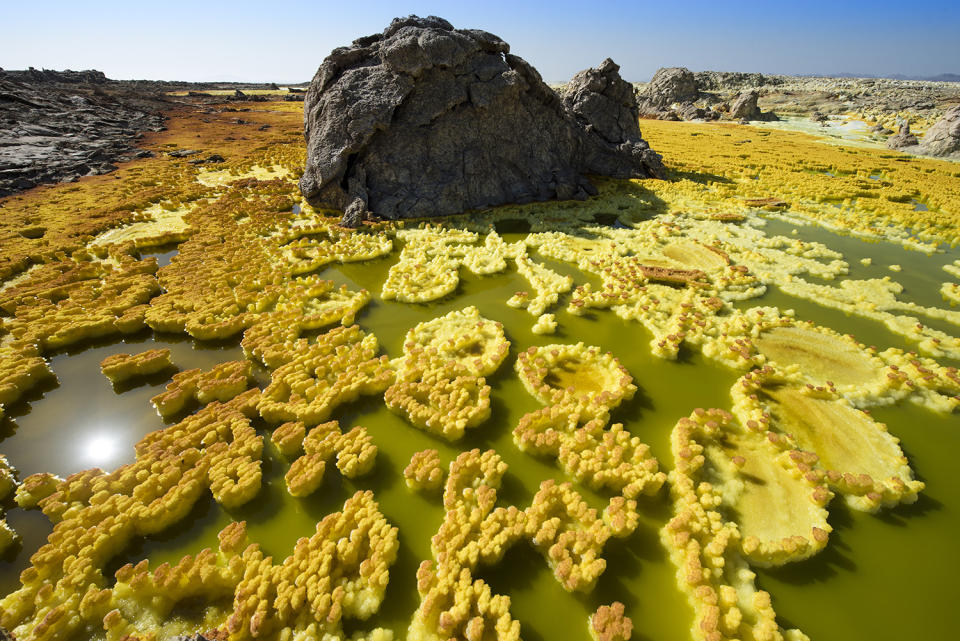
(943, 77)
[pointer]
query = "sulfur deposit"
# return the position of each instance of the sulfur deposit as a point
(216, 450)
(708, 550)
(440, 385)
(121, 367)
(576, 375)
(424, 471)
(221, 383)
(329, 367)
(570, 535)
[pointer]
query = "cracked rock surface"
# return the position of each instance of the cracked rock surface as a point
(427, 120)
(58, 126)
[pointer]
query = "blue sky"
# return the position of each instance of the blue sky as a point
(285, 41)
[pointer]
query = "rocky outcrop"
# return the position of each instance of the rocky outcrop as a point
(745, 108)
(47, 76)
(427, 120)
(671, 95)
(671, 85)
(58, 126)
(943, 138)
(903, 138)
(727, 81)
(603, 102)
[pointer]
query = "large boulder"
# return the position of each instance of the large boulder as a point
(671, 85)
(745, 107)
(428, 120)
(943, 138)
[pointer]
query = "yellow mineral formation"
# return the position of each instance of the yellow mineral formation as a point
(288, 438)
(355, 452)
(424, 471)
(570, 535)
(474, 342)
(609, 623)
(546, 283)
(708, 550)
(828, 440)
(160, 224)
(306, 474)
(440, 385)
(35, 488)
(120, 367)
(63, 302)
(438, 396)
(220, 383)
(546, 324)
(575, 374)
(8, 483)
(97, 513)
(610, 458)
(338, 367)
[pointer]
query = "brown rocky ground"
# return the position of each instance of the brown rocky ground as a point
(37, 224)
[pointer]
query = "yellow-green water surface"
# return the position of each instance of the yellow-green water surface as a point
(885, 576)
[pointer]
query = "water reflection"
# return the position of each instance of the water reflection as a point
(100, 449)
(85, 421)
(164, 254)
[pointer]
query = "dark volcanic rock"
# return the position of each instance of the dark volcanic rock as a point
(428, 120)
(903, 138)
(58, 126)
(943, 138)
(732, 80)
(37, 76)
(601, 99)
(670, 85)
(689, 111)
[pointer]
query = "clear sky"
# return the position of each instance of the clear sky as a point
(285, 40)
